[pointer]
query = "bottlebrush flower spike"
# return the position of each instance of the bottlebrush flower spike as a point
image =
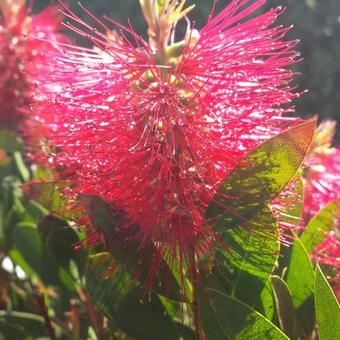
(328, 253)
(155, 128)
(18, 31)
(322, 171)
(322, 186)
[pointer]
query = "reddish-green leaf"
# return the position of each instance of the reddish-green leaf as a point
(262, 175)
(319, 226)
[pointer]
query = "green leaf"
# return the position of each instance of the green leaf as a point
(28, 244)
(265, 303)
(288, 210)
(107, 283)
(327, 308)
(252, 252)
(300, 275)
(319, 226)
(28, 325)
(11, 331)
(184, 332)
(31, 255)
(212, 328)
(45, 192)
(9, 141)
(284, 307)
(59, 238)
(260, 177)
(125, 303)
(21, 166)
(135, 258)
(239, 321)
(144, 318)
(17, 323)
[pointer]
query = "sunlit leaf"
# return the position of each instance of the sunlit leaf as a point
(260, 177)
(327, 308)
(265, 303)
(300, 275)
(319, 226)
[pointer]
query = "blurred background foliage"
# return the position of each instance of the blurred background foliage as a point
(316, 25)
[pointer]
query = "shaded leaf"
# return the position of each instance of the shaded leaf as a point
(31, 255)
(28, 244)
(59, 238)
(107, 283)
(19, 325)
(144, 318)
(130, 253)
(184, 332)
(11, 331)
(284, 307)
(327, 308)
(45, 192)
(125, 303)
(9, 141)
(239, 321)
(212, 328)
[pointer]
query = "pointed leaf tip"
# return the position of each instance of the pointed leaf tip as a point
(261, 176)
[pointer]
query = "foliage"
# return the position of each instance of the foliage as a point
(51, 288)
(55, 283)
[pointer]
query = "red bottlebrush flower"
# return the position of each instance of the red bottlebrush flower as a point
(154, 128)
(328, 251)
(322, 186)
(322, 172)
(18, 45)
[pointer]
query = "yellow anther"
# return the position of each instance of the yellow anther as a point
(160, 125)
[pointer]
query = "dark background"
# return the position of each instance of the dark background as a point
(316, 24)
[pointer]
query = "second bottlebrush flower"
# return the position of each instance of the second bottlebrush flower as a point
(22, 44)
